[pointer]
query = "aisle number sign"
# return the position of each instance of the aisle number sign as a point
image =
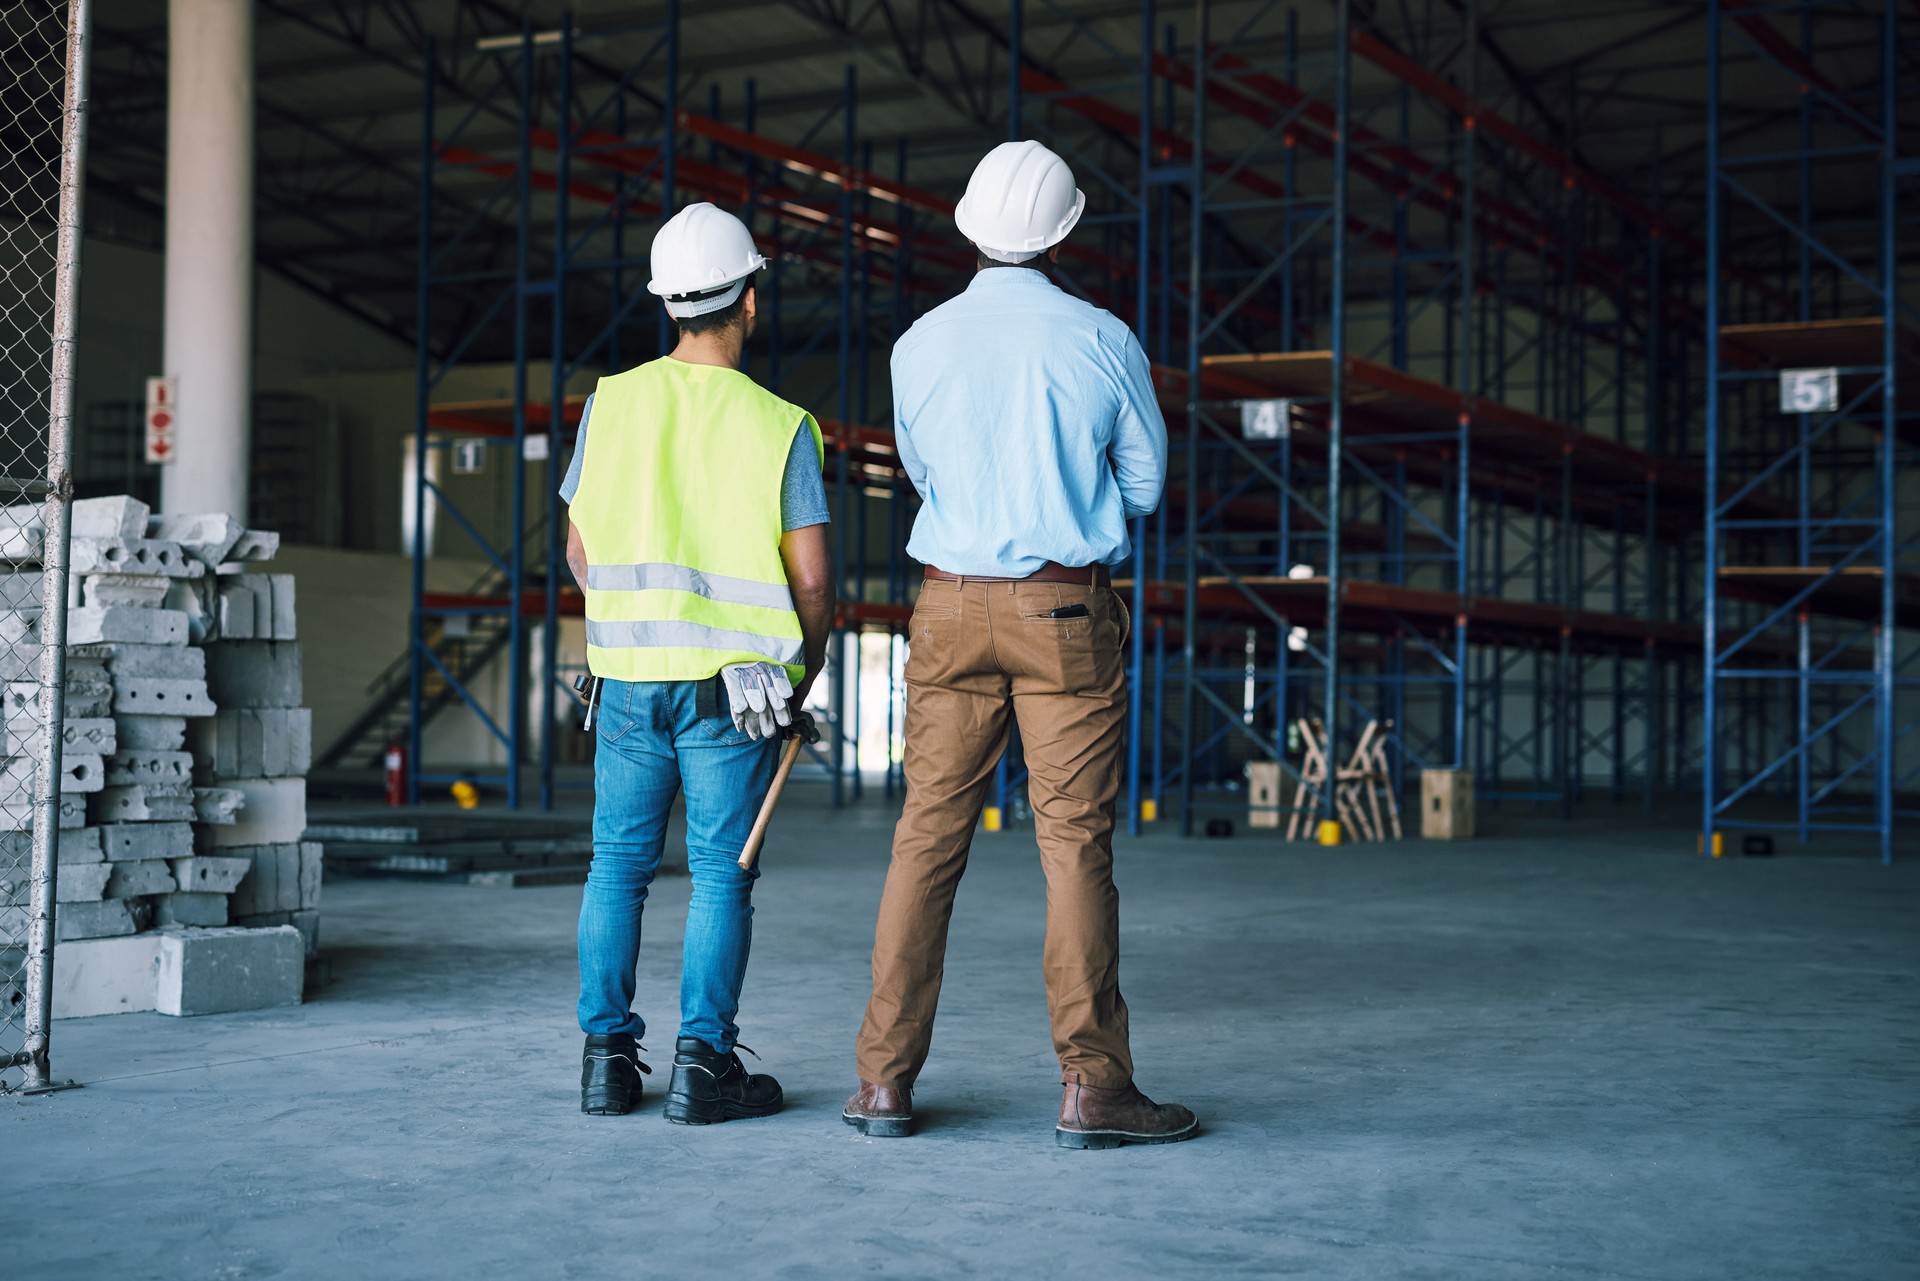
(1265, 419)
(1809, 391)
(163, 418)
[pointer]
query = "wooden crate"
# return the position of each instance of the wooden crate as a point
(1263, 793)
(1446, 804)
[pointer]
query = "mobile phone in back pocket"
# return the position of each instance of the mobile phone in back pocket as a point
(1068, 611)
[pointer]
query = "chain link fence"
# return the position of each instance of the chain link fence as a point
(42, 166)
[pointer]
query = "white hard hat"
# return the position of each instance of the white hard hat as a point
(1020, 202)
(702, 258)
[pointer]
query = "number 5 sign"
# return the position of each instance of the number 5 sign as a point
(1809, 391)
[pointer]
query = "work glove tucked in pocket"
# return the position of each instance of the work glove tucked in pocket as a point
(758, 694)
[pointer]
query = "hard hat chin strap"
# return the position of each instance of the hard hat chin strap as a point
(687, 306)
(1009, 255)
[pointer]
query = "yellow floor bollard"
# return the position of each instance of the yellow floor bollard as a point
(1149, 811)
(1329, 832)
(992, 818)
(1719, 844)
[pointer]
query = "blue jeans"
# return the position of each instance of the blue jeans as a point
(651, 744)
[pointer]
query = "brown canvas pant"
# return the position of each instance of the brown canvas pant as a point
(980, 652)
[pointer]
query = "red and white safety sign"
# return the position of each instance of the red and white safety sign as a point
(163, 416)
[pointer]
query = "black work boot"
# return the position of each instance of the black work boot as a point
(709, 1086)
(610, 1069)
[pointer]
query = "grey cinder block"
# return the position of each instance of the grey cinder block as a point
(80, 773)
(147, 696)
(19, 626)
(149, 767)
(81, 882)
(132, 880)
(122, 842)
(254, 673)
(190, 909)
(163, 662)
(312, 856)
(97, 735)
(199, 600)
(285, 620)
(215, 971)
(275, 811)
(139, 590)
(255, 742)
(207, 536)
(145, 556)
(89, 692)
(21, 590)
(122, 516)
(106, 976)
(85, 735)
(104, 919)
(73, 810)
(124, 623)
(205, 874)
(150, 733)
(255, 545)
(81, 845)
(235, 611)
(21, 532)
(272, 884)
(257, 607)
(145, 803)
(19, 660)
(218, 805)
(308, 923)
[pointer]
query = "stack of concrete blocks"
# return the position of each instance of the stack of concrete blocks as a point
(184, 755)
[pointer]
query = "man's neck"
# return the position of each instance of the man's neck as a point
(721, 349)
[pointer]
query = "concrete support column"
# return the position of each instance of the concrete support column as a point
(209, 306)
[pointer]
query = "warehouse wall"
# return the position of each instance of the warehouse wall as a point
(353, 623)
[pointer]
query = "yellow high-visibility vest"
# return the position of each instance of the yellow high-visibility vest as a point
(679, 512)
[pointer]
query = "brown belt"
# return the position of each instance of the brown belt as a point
(1051, 572)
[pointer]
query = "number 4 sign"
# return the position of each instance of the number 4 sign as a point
(1809, 391)
(1265, 419)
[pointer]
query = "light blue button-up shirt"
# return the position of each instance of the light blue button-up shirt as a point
(1026, 419)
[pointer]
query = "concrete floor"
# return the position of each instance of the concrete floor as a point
(1566, 1050)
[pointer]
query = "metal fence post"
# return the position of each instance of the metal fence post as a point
(43, 337)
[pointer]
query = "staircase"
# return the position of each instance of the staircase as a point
(465, 655)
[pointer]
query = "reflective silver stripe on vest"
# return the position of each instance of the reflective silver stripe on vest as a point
(661, 576)
(676, 633)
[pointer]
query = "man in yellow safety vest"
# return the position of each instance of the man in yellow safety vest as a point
(698, 534)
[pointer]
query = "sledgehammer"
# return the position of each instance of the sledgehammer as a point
(798, 734)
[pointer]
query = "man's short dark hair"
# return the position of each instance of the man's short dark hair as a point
(714, 322)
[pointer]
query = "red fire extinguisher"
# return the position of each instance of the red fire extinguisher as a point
(396, 774)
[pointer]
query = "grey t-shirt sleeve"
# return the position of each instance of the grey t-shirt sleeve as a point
(571, 484)
(803, 491)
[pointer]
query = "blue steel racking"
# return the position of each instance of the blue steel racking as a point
(1404, 489)
(1490, 465)
(1811, 606)
(649, 145)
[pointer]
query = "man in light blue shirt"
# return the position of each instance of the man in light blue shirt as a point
(1026, 420)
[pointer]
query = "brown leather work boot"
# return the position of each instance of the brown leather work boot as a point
(1094, 1117)
(880, 1113)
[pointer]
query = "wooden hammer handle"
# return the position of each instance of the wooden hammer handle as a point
(792, 753)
